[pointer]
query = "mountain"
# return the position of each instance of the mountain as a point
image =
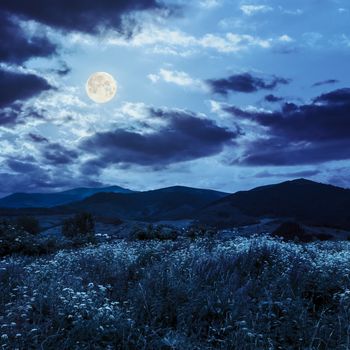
(303, 200)
(46, 200)
(169, 203)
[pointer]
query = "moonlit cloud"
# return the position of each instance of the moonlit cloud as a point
(168, 41)
(253, 9)
(239, 91)
(178, 78)
(209, 4)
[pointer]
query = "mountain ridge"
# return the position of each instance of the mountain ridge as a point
(51, 199)
(175, 202)
(303, 200)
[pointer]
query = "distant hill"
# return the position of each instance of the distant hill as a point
(47, 200)
(170, 203)
(303, 200)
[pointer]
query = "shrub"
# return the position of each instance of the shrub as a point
(29, 224)
(80, 227)
(290, 230)
(159, 232)
(196, 231)
(14, 239)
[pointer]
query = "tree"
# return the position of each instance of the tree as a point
(81, 226)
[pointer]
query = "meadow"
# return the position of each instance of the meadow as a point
(255, 292)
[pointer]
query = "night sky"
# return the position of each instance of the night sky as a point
(218, 94)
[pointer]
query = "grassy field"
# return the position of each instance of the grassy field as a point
(239, 293)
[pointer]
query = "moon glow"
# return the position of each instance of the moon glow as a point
(101, 87)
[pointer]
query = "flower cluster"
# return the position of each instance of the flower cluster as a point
(206, 293)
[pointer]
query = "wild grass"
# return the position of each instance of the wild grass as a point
(241, 293)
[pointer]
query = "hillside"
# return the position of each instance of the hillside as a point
(303, 200)
(170, 203)
(46, 200)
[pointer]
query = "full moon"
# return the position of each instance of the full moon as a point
(101, 87)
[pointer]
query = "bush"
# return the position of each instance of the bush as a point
(11, 238)
(290, 230)
(196, 231)
(14, 239)
(29, 224)
(80, 227)
(159, 232)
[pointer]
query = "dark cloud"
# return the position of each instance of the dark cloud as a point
(278, 151)
(87, 16)
(326, 82)
(245, 82)
(63, 70)
(27, 182)
(56, 154)
(17, 113)
(273, 98)
(185, 137)
(9, 116)
(19, 87)
(16, 46)
(37, 138)
(92, 167)
(290, 175)
(15, 89)
(340, 96)
(42, 180)
(305, 134)
(21, 166)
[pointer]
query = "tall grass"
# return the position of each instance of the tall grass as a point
(244, 293)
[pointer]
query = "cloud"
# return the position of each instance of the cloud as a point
(37, 138)
(209, 4)
(232, 42)
(86, 16)
(56, 154)
(63, 69)
(17, 46)
(326, 82)
(291, 175)
(22, 167)
(295, 12)
(11, 182)
(341, 96)
(9, 116)
(16, 88)
(183, 137)
(175, 42)
(19, 87)
(272, 98)
(285, 45)
(244, 82)
(254, 9)
(177, 78)
(312, 39)
(299, 134)
(42, 180)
